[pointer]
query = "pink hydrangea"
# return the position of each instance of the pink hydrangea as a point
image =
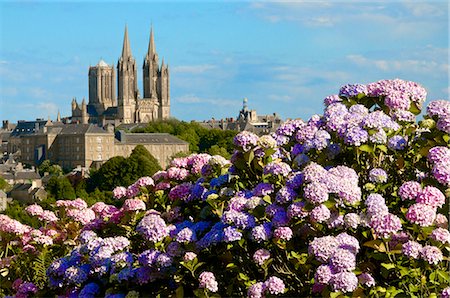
(386, 224)
(274, 285)
(34, 210)
(421, 214)
(48, 216)
(144, 181)
(84, 216)
(409, 190)
(283, 233)
(119, 192)
(189, 256)
(133, 205)
(431, 254)
(441, 221)
(323, 274)
(411, 249)
(208, 281)
(261, 255)
(431, 196)
(320, 214)
(441, 235)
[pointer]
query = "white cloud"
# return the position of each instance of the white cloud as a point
(193, 69)
(419, 66)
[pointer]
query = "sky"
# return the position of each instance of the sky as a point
(285, 57)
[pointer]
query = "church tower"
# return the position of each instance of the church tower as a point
(102, 87)
(156, 80)
(127, 83)
(150, 70)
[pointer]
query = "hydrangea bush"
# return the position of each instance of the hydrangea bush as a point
(350, 203)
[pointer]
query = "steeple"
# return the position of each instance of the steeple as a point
(151, 45)
(58, 118)
(126, 50)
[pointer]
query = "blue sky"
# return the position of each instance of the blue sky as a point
(285, 57)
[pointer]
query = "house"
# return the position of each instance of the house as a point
(26, 193)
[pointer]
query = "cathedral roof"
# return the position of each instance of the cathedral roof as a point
(148, 138)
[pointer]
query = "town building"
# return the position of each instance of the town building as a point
(127, 106)
(88, 145)
(247, 120)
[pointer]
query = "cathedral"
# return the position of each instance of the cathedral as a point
(127, 106)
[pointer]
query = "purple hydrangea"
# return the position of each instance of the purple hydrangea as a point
(119, 192)
(239, 219)
(263, 189)
(181, 192)
(262, 232)
(348, 242)
(256, 290)
(397, 100)
(342, 260)
(438, 108)
(296, 210)
(376, 205)
(445, 293)
(285, 195)
(231, 234)
(186, 235)
(331, 99)
(277, 168)
(352, 220)
(397, 142)
(356, 136)
(245, 140)
(323, 274)
(366, 279)
(153, 228)
(344, 282)
(351, 90)
(316, 192)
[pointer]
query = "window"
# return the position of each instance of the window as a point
(78, 141)
(99, 156)
(99, 140)
(99, 148)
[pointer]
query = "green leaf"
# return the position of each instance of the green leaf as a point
(383, 148)
(366, 148)
(376, 244)
(388, 266)
(179, 292)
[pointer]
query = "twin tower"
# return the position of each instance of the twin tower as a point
(129, 106)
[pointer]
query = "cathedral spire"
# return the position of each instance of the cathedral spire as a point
(126, 50)
(151, 45)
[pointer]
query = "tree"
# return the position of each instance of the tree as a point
(60, 188)
(108, 176)
(47, 167)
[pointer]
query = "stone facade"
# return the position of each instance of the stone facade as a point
(129, 107)
(86, 145)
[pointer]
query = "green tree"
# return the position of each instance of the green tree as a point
(60, 188)
(47, 167)
(108, 176)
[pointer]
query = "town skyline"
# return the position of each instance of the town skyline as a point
(283, 57)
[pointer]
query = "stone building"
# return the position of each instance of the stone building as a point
(27, 193)
(128, 106)
(88, 145)
(247, 120)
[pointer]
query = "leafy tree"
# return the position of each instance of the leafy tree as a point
(124, 171)
(47, 167)
(60, 188)
(216, 150)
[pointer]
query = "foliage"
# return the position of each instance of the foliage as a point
(348, 204)
(52, 169)
(60, 187)
(124, 171)
(4, 185)
(200, 139)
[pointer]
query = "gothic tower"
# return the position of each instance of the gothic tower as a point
(164, 100)
(156, 80)
(150, 70)
(127, 83)
(102, 87)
